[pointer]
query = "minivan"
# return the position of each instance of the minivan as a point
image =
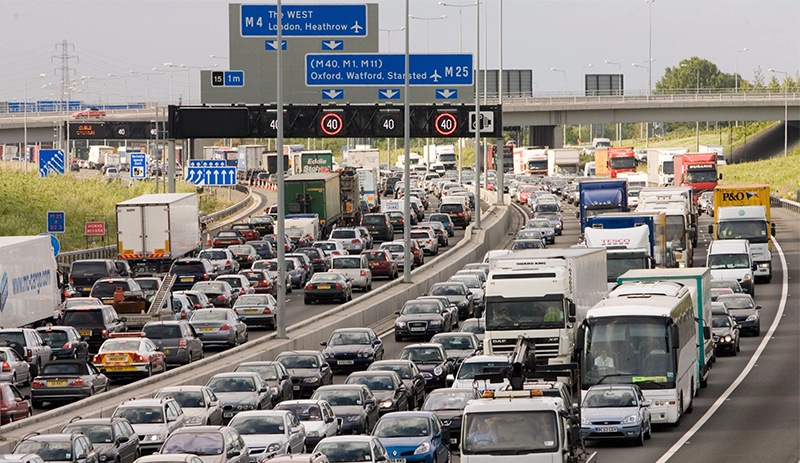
(730, 259)
(84, 273)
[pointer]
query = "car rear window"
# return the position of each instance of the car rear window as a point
(341, 234)
(347, 262)
(189, 268)
(373, 220)
(89, 268)
(82, 318)
(162, 331)
(451, 207)
(107, 288)
(420, 235)
(12, 336)
(375, 256)
(213, 255)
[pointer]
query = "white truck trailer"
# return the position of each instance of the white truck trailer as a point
(155, 229)
(542, 295)
(563, 161)
(29, 291)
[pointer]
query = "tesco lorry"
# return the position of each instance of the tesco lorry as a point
(743, 212)
(542, 295)
(155, 229)
(617, 228)
(29, 291)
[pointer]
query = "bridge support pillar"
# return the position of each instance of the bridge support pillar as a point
(546, 135)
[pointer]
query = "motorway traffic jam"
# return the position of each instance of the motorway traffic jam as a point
(596, 325)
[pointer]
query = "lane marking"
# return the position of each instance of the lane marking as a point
(764, 341)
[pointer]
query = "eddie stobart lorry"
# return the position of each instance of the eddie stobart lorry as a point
(743, 212)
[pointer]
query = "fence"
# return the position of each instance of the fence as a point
(786, 204)
(110, 252)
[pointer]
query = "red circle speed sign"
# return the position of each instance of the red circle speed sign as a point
(331, 124)
(446, 124)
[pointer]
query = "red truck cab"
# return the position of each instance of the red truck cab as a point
(620, 160)
(696, 170)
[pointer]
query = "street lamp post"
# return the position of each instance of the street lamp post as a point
(565, 78)
(427, 27)
(785, 109)
(650, 48)
(188, 76)
(25, 120)
(736, 70)
(389, 36)
(477, 225)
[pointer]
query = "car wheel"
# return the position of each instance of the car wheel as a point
(246, 337)
(639, 441)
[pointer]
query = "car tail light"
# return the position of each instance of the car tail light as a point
(225, 327)
(267, 311)
(205, 277)
(6, 367)
(104, 333)
(37, 384)
(309, 287)
(338, 286)
(317, 260)
(183, 314)
(227, 264)
(242, 291)
(182, 342)
(265, 283)
(220, 297)
(97, 358)
(67, 346)
(430, 242)
(139, 358)
(29, 355)
(197, 306)
(71, 281)
(77, 382)
(355, 241)
(461, 214)
(363, 273)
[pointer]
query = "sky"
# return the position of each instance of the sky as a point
(129, 38)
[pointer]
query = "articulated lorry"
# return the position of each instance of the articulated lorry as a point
(334, 197)
(29, 283)
(563, 161)
(155, 229)
(698, 280)
(661, 166)
(542, 295)
(743, 212)
(696, 170)
(620, 160)
(599, 196)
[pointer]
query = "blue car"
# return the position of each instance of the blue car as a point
(415, 437)
(445, 220)
(615, 411)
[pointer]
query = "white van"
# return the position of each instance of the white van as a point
(729, 259)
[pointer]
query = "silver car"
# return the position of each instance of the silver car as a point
(222, 260)
(427, 240)
(219, 327)
(213, 444)
(152, 419)
(240, 391)
(15, 369)
(270, 432)
(200, 406)
(257, 309)
(544, 227)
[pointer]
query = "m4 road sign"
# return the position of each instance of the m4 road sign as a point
(304, 20)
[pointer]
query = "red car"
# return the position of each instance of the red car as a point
(247, 230)
(381, 263)
(263, 281)
(13, 405)
(89, 112)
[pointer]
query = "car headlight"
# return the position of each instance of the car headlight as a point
(436, 322)
(353, 418)
(400, 324)
(585, 421)
(245, 407)
(103, 458)
(154, 437)
(312, 433)
(630, 419)
(752, 318)
(438, 371)
(387, 403)
(727, 338)
(194, 420)
(274, 390)
(313, 380)
(747, 277)
(274, 447)
(424, 447)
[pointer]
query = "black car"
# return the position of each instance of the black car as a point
(458, 345)
(263, 224)
(352, 348)
(244, 254)
(84, 273)
(317, 256)
(457, 293)
(410, 375)
(353, 403)
(94, 324)
(308, 370)
(422, 318)
(113, 439)
(58, 447)
(177, 339)
(386, 386)
(379, 226)
(189, 271)
(744, 310)
(66, 342)
(726, 334)
(275, 375)
(448, 404)
(432, 362)
(228, 237)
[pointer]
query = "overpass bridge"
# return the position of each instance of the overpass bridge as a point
(542, 113)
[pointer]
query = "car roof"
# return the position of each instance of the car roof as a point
(329, 387)
(62, 436)
(297, 352)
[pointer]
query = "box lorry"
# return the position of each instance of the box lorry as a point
(601, 162)
(368, 183)
(97, 155)
(155, 229)
(717, 149)
(743, 212)
(599, 196)
(333, 196)
(563, 161)
(362, 157)
(249, 157)
(621, 223)
(29, 288)
(542, 295)
(696, 170)
(661, 167)
(698, 281)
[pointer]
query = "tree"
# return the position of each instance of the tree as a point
(694, 74)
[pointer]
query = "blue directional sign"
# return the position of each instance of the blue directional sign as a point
(272, 45)
(207, 163)
(216, 176)
(138, 165)
(332, 94)
(446, 93)
(337, 45)
(349, 69)
(388, 94)
(54, 243)
(56, 221)
(51, 161)
(304, 20)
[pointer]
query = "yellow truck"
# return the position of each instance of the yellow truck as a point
(601, 162)
(743, 212)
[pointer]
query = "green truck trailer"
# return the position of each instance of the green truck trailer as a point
(333, 196)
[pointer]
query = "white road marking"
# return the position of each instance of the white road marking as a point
(750, 365)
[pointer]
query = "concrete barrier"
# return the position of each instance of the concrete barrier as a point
(369, 310)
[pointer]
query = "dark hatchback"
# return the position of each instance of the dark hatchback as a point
(95, 324)
(432, 362)
(189, 271)
(317, 256)
(66, 342)
(379, 226)
(308, 370)
(352, 348)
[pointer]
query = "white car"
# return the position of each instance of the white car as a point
(330, 248)
(397, 249)
(239, 283)
(316, 415)
(270, 432)
(354, 267)
(350, 239)
(427, 240)
(221, 259)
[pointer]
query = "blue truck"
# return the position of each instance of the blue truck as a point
(599, 196)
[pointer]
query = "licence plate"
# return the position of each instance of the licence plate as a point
(253, 311)
(344, 362)
(113, 369)
(227, 414)
(85, 332)
(453, 440)
(86, 288)
(187, 279)
(207, 330)
(397, 460)
(324, 287)
(416, 329)
(56, 383)
(295, 388)
(166, 351)
(607, 429)
(115, 359)
(373, 264)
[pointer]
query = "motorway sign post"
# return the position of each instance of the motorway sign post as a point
(138, 163)
(211, 176)
(56, 222)
(51, 161)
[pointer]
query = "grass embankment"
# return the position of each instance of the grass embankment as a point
(26, 198)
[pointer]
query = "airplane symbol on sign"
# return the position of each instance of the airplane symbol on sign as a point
(356, 27)
(435, 76)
